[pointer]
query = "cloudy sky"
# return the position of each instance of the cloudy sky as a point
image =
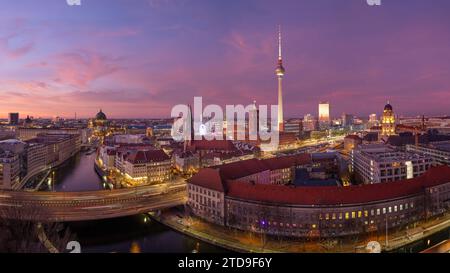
(139, 58)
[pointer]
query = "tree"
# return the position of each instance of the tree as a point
(21, 232)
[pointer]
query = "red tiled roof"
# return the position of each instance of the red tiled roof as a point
(248, 167)
(277, 163)
(241, 168)
(208, 178)
(137, 157)
(331, 195)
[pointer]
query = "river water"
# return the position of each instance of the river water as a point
(121, 234)
(128, 234)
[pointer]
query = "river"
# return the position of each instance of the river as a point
(121, 234)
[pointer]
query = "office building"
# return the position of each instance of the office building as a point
(378, 163)
(13, 118)
(439, 151)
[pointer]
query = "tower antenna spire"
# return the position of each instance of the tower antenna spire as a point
(279, 42)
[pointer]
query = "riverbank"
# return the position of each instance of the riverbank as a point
(243, 241)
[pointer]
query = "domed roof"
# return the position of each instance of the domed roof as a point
(100, 115)
(280, 70)
(28, 120)
(388, 107)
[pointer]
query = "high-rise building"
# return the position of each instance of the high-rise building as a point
(293, 126)
(279, 71)
(373, 121)
(324, 112)
(309, 123)
(388, 121)
(13, 118)
(347, 120)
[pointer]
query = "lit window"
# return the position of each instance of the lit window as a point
(353, 214)
(347, 216)
(395, 208)
(366, 213)
(390, 209)
(359, 214)
(384, 210)
(378, 211)
(401, 207)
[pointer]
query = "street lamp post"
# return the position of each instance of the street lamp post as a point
(387, 229)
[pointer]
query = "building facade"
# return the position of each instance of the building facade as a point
(378, 163)
(387, 121)
(9, 169)
(324, 113)
(317, 211)
(439, 151)
(138, 164)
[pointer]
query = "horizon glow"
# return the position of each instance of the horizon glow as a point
(138, 59)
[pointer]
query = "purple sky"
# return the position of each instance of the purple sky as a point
(139, 58)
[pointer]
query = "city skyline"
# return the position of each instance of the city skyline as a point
(141, 62)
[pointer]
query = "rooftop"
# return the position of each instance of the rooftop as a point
(147, 156)
(443, 146)
(222, 179)
(332, 195)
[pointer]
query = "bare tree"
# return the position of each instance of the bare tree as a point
(22, 231)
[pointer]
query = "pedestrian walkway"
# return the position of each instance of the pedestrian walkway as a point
(244, 241)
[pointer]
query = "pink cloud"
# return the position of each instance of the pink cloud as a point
(79, 69)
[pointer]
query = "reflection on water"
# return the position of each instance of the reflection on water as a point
(77, 174)
(133, 234)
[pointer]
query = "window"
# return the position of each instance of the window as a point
(347, 216)
(378, 211)
(366, 213)
(359, 214)
(384, 210)
(390, 209)
(401, 207)
(395, 209)
(353, 214)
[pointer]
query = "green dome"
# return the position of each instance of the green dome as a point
(100, 116)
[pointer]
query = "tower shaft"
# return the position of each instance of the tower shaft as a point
(280, 104)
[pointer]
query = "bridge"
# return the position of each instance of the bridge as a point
(90, 205)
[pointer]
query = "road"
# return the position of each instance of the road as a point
(90, 205)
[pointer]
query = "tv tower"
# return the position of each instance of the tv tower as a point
(279, 71)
